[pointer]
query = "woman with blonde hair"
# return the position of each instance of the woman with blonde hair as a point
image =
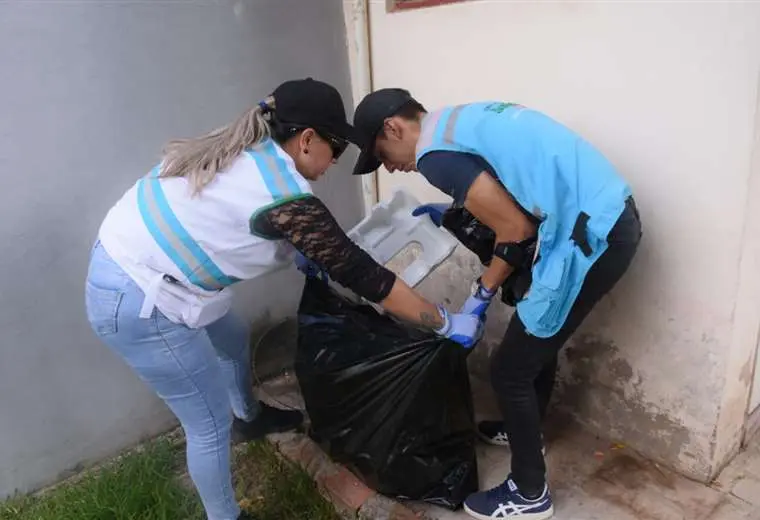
(232, 205)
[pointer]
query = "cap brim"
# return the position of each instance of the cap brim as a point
(366, 163)
(347, 132)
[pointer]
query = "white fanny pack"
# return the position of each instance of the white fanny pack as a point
(185, 305)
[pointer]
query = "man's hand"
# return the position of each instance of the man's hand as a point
(465, 329)
(478, 302)
(435, 211)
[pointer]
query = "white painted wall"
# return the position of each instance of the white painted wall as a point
(669, 92)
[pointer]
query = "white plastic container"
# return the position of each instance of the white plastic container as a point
(390, 228)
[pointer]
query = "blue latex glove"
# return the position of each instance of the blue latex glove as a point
(465, 329)
(478, 302)
(310, 268)
(434, 210)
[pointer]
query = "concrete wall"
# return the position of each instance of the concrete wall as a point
(669, 92)
(90, 92)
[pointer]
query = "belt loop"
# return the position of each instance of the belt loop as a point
(149, 303)
(579, 236)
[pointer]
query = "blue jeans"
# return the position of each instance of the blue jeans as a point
(203, 375)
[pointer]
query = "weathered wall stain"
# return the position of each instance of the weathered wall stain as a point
(601, 390)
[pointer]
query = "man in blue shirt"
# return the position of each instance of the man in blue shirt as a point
(559, 212)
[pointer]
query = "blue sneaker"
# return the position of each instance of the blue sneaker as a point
(505, 501)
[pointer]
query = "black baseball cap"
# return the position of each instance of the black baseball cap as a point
(369, 118)
(312, 103)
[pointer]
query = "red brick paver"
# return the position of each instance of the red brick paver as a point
(347, 493)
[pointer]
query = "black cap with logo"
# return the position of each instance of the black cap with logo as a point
(311, 103)
(369, 118)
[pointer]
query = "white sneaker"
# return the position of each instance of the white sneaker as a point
(494, 433)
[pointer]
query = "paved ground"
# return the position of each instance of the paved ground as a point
(591, 478)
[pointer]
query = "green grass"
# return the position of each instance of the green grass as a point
(140, 485)
(145, 485)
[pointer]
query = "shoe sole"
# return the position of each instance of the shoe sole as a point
(543, 515)
(489, 440)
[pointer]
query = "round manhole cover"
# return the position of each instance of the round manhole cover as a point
(273, 359)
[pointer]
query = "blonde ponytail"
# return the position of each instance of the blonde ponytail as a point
(201, 158)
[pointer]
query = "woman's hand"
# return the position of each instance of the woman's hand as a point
(310, 227)
(310, 268)
(465, 329)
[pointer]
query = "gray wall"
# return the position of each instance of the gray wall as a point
(90, 92)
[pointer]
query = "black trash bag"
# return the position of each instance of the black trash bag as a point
(481, 240)
(389, 401)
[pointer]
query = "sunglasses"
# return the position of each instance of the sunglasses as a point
(337, 144)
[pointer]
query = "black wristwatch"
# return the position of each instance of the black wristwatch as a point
(512, 253)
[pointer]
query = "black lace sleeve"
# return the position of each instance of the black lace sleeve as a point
(310, 227)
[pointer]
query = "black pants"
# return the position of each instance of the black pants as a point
(523, 368)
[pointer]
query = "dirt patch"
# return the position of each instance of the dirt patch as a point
(650, 491)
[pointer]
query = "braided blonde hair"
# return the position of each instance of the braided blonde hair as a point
(201, 158)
